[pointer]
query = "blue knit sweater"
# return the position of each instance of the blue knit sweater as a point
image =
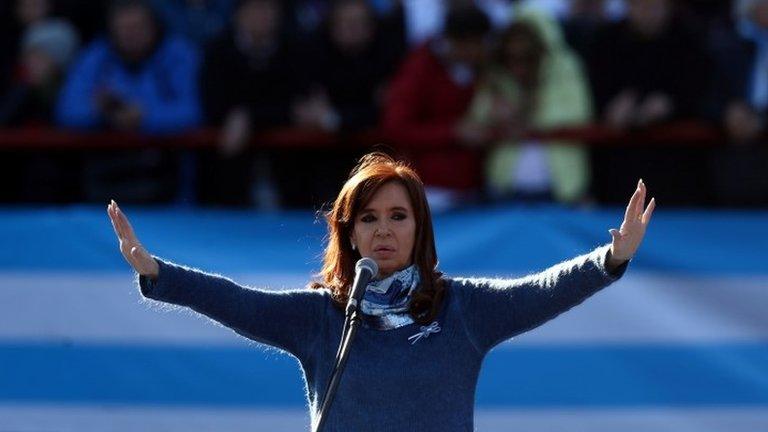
(390, 384)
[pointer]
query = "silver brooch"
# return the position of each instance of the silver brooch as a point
(425, 331)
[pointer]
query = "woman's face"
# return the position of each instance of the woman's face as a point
(352, 27)
(522, 60)
(385, 229)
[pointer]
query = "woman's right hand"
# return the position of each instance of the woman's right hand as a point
(132, 250)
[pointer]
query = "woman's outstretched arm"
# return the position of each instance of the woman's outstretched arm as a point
(498, 309)
(289, 320)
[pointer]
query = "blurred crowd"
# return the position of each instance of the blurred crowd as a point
(458, 87)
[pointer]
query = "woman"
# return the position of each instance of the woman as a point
(415, 362)
(536, 83)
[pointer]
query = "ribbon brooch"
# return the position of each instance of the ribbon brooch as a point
(425, 331)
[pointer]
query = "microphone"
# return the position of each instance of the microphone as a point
(365, 269)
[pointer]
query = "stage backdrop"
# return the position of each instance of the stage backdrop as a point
(679, 344)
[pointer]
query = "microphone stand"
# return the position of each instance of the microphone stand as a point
(351, 324)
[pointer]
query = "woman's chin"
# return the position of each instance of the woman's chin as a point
(386, 267)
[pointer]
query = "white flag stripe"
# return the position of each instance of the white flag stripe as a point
(95, 418)
(640, 308)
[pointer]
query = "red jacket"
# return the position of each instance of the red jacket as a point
(422, 110)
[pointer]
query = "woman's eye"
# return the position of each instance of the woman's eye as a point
(367, 218)
(399, 216)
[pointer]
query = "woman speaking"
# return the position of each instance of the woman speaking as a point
(416, 359)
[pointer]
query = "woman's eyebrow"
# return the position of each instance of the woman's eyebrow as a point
(396, 208)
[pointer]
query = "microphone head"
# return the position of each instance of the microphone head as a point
(362, 276)
(368, 264)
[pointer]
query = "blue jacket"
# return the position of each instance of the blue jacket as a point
(164, 86)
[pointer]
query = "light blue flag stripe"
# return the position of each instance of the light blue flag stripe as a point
(523, 377)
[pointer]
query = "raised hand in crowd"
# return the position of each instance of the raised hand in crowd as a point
(316, 112)
(120, 114)
(621, 110)
(742, 123)
(654, 108)
(236, 132)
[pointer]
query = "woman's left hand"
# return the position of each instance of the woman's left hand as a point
(627, 239)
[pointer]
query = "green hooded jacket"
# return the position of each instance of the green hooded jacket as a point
(563, 99)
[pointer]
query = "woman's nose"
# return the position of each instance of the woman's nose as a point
(382, 230)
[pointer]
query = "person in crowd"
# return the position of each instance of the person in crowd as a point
(251, 78)
(582, 19)
(392, 23)
(353, 56)
(47, 48)
(743, 69)
(424, 334)
(648, 68)
(15, 18)
(137, 79)
(350, 65)
(200, 21)
(536, 83)
(741, 87)
(426, 19)
(427, 98)
(303, 19)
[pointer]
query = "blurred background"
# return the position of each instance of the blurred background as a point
(224, 128)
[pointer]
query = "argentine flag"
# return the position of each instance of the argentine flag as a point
(678, 344)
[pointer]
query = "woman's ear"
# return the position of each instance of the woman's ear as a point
(352, 241)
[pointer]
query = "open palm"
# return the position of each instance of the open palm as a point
(628, 237)
(130, 247)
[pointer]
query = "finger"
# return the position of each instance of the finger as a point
(615, 234)
(115, 218)
(641, 199)
(649, 211)
(128, 229)
(631, 212)
(125, 232)
(112, 221)
(631, 206)
(118, 222)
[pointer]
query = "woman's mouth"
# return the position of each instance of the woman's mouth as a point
(383, 251)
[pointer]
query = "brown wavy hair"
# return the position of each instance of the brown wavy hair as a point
(373, 171)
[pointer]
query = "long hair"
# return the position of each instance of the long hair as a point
(372, 172)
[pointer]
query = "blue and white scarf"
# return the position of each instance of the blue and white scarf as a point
(386, 301)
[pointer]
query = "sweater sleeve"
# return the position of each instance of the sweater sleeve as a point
(288, 320)
(498, 309)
